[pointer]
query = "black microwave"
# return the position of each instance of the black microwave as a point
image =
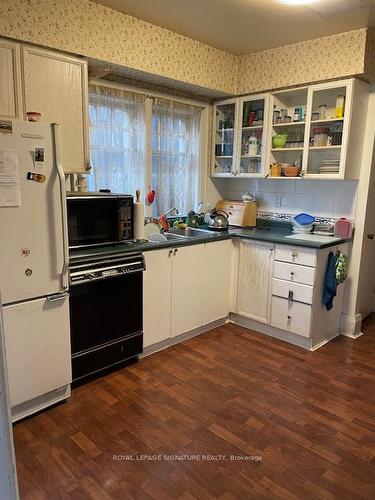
(99, 219)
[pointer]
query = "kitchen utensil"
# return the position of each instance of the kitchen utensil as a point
(279, 140)
(150, 196)
(218, 221)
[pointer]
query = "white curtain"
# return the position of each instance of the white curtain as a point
(117, 140)
(175, 155)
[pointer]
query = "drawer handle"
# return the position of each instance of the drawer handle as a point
(292, 273)
(170, 253)
(294, 254)
(289, 317)
(290, 296)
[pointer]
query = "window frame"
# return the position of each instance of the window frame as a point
(203, 131)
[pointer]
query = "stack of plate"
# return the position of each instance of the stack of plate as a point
(329, 166)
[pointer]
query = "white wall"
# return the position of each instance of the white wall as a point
(320, 198)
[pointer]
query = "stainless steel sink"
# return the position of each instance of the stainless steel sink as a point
(191, 232)
(172, 236)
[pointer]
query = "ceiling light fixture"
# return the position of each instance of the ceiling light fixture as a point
(297, 2)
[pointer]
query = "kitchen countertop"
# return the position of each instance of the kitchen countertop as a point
(272, 233)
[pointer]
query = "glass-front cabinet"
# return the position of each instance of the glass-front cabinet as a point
(240, 136)
(225, 137)
(311, 132)
(328, 121)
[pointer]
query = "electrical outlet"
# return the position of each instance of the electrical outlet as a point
(278, 201)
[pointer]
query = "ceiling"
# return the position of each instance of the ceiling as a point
(243, 26)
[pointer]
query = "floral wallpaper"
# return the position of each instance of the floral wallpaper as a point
(97, 32)
(334, 56)
(86, 28)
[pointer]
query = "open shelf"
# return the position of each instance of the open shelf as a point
(318, 148)
(253, 127)
(275, 150)
(327, 120)
(290, 124)
(251, 156)
(284, 177)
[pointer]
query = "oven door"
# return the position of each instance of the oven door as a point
(105, 310)
(92, 221)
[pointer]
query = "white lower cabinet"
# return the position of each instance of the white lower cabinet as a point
(185, 288)
(217, 276)
(157, 293)
(291, 316)
(254, 280)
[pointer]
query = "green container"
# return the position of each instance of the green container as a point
(279, 140)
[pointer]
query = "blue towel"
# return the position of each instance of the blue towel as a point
(330, 283)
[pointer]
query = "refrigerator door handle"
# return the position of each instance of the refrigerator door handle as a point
(60, 171)
(57, 297)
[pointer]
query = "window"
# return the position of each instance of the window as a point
(175, 155)
(122, 162)
(117, 140)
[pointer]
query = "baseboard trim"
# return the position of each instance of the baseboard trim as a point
(164, 344)
(350, 325)
(256, 327)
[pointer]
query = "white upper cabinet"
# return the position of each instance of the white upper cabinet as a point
(10, 80)
(56, 86)
(317, 130)
(286, 132)
(335, 125)
(224, 138)
(239, 137)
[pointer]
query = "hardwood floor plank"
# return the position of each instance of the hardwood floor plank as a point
(169, 426)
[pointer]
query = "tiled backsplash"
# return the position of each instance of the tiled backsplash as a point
(320, 198)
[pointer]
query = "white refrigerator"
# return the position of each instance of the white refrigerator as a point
(34, 266)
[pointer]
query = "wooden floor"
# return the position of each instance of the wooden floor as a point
(310, 416)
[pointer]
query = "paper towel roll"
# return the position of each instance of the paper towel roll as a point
(139, 220)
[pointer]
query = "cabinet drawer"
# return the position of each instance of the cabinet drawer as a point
(298, 292)
(294, 273)
(296, 255)
(293, 317)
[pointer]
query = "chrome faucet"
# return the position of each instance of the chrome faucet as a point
(163, 222)
(170, 211)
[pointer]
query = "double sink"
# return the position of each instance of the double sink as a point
(183, 234)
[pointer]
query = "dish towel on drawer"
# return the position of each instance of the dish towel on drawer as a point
(330, 283)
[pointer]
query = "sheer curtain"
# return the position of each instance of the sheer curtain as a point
(175, 155)
(117, 140)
